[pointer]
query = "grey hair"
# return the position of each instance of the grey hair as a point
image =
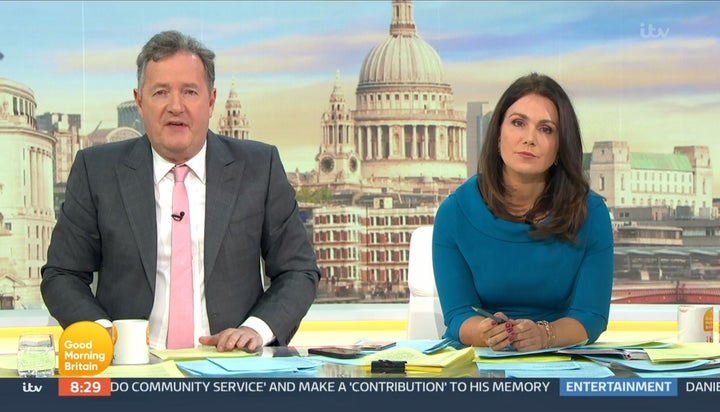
(168, 43)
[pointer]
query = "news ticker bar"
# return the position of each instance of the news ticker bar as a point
(352, 394)
(611, 387)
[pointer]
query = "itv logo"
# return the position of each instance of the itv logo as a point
(649, 31)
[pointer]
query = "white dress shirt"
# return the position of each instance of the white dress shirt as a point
(195, 185)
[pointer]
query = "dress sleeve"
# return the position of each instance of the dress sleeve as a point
(453, 278)
(590, 303)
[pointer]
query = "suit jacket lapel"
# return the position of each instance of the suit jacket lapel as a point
(224, 174)
(137, 191)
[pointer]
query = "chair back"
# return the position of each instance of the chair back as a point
(425, 319)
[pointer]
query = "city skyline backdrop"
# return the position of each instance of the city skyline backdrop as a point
(642, 72)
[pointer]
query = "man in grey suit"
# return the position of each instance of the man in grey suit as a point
(117, 218)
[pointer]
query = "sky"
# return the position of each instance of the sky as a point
(644, 72)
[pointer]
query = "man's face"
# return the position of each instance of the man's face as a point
(176, 106)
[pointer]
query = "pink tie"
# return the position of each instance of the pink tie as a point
(181, 320)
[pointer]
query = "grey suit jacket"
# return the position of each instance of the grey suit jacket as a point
(107, 225)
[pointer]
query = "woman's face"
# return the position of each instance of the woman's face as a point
(529, 138)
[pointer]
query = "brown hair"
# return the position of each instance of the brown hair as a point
(168, 43)
(566, 189)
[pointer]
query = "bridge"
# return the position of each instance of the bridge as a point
(678, 292)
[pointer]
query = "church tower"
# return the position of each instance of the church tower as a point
(337, 161)
(233, 122)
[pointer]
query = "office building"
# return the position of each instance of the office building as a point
(65, 128)
(477, 122)
(26, 195)
(681, 181)
(129, 116)
(113, 134)
(363, 250)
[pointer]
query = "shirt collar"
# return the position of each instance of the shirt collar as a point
(162, 167)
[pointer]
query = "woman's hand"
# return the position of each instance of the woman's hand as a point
(527, 335)
(482, 331)
(499, 336)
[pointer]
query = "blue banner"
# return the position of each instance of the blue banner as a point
(618, 387)
(394, 394)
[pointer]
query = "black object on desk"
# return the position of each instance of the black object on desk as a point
(335, 352)
(387, 366)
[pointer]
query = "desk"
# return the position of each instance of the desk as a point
(326, 370)
(9, 336)
(165, 369)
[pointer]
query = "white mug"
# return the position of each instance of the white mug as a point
(695, 323)
(132, 342)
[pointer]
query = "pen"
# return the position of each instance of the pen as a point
(487, 314)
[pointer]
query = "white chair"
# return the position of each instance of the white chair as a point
(425, 319)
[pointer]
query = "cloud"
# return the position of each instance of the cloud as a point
(299, 55)
(641, 68)
(216, 31)
(95, 61)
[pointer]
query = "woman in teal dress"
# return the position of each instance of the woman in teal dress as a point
(525, 238)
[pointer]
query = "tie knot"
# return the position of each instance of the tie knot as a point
(179, 172)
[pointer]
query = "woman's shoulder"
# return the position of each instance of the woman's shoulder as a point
(598, 213)
(465, 207)
(458, 196)
(467, 192)
(469, 188)
(596, 203)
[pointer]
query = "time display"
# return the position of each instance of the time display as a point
(84, 387)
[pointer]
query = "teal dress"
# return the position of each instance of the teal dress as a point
(482, 260)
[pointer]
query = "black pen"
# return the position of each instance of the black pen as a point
(488, 314)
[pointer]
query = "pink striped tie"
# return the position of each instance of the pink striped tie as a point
(181, 320)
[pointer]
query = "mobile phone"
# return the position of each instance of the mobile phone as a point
(488, 314)
(335, 352)
(377, 345)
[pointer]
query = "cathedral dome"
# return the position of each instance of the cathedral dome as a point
(402, 58)
(404, 125)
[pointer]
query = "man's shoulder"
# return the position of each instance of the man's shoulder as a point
(112, 149)
(245, 147)
(241, 149)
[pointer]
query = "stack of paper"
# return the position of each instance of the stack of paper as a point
(624, 353)
(656, 359)
(226, 367)
(542, 363)
(417, 361)
(166, 369)
(685, 352)
(202, 352)
(207, 361)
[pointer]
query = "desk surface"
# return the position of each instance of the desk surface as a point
(9, 337)
(8, 368)
(163, 369)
